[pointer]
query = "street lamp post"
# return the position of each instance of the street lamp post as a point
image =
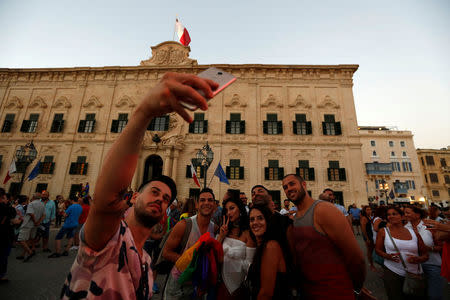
(25, 155)
(384, 187)
(204, 158)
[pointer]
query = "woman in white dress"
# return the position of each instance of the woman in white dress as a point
(238, 248)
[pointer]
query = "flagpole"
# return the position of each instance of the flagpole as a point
(212, 177)
(175, 28)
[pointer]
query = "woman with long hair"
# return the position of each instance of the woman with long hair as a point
(366, 228)
(238, 248)
(268, 276)
(432, 267)
(188, 209)
(410, 249)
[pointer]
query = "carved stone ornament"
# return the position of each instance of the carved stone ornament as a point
(333, 154)
(37, 102)
(62, 102)
(272, 153)
(83, 150)
(170, 54)
(305, 154)
(14, 102)
(125, 100)
(299, 101)
(271, 100)
(328, 102)
(235, 153)
(235, 101)
(93, 101)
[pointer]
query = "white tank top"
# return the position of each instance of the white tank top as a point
(406, 247)
(374, 233)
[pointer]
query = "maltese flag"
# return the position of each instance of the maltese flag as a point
(12, 169)
(194, 175)
(183, 34)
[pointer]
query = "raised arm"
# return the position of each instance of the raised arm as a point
(336, 227)
(169, 251)
(120, 162)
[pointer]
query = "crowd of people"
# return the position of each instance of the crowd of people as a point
(240, 249)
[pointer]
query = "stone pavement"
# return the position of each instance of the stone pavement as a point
(43, 278)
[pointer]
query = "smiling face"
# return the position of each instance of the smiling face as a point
(243, 198)
(151, 203)
(258, 224)
(294, 190)
(411, 215)
(233, 212)
(206, 204)
(260, 196)
(393, 216)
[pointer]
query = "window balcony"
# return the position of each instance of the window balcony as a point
(379, 169)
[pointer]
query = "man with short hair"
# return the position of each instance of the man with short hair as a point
(72, 214)
(7, 222)
(325, 251)
(285, 209)
(201, 223)
(50, 215)
(111, 262)
(244, 200)
(34, 215)
(356, 216)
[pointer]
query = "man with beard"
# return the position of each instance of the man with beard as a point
(111, 262)
(200, 224)
(324, 248)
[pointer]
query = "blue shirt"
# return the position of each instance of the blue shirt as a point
(50, 211)
(355, 213)
(73, 213)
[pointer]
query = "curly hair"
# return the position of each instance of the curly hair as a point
(243, 216)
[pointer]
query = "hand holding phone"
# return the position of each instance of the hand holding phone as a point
(221, 77)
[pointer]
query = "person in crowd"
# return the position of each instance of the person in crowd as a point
(268, 274)
(72, 214)
(85, 206)
(7, 220)
(328, 195)
(217, 215)
(174, 215)
(201, 224)
(285, 209)
(20, 214)
(124, 271)
(244, 200)
(50, 215)
(367, 232)
(410, 247)
(188, 209)
(432, 267)
(59, 210)
(325, 251)
(238, 248)
(355, 212)
(434, 213)
(442, 233)
(34, 215)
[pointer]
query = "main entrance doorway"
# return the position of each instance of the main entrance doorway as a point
(153, 167)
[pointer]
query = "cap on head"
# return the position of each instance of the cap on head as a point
(166, 180)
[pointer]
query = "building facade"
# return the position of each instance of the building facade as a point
(391, 164)
(436, 174)
(274, 120)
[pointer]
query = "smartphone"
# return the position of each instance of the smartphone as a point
(223, 78)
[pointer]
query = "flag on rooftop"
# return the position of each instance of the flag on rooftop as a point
(182, 33)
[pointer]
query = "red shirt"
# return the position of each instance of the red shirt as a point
(84, 214)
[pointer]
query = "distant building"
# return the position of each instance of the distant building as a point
(275, 120)
(390, 161)
(436, 173)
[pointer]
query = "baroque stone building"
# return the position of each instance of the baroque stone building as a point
(436, 173)
(274, 120)
(390, 161)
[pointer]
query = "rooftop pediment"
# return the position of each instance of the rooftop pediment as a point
(170, 54)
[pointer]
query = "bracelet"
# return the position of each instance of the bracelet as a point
(357, 292)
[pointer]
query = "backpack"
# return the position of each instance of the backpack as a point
(162, 265)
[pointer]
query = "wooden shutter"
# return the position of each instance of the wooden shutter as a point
(294, 127)
(410, 167)
(266, 173)
(191, 127)
(82, 125)
(265, 129)
(324, 128)
(228, 126)
(241, 172)
(227, 171)
(166, 123)
(297, 171)
(61, 126)
(280, 173)
(308, 128)
(52, 168)
(329, 174)
(205, 126)
(85, 168)
(279, 127)
(93, 125)
(73, 166)
(337, 128)
(242, 125)
(115, 126)
(312, 175)
(342, 175)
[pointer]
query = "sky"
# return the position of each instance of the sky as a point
(402, 47)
